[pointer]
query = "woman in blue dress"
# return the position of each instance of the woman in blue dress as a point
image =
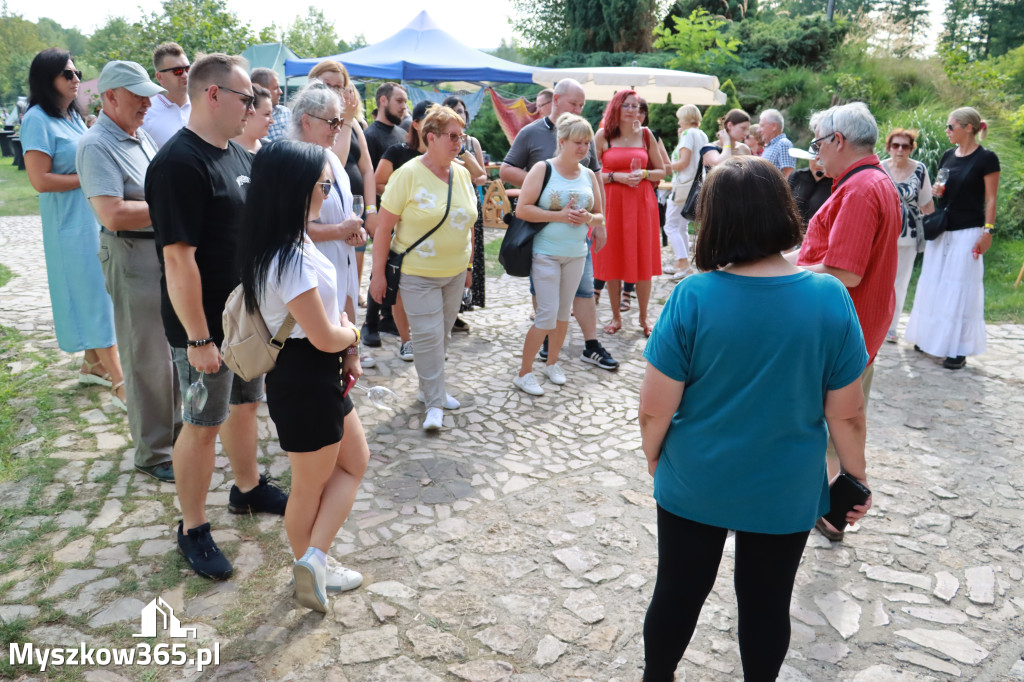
(83, 314)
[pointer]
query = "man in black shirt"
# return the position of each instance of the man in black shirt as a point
(196, 187)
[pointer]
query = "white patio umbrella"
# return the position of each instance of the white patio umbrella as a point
(654, 85)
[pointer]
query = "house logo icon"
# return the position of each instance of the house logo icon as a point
(158, 611)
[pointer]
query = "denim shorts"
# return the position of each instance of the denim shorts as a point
(223, 388)
(586, 287)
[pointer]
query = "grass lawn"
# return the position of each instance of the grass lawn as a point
(1003, 303)
(16, 194)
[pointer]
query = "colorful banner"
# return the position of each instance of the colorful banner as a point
(513, 114)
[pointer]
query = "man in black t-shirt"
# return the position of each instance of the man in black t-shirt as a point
(196, 187)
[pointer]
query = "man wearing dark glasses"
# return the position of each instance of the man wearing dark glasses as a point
(170, 110)
(196, 188)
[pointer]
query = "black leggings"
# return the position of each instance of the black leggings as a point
(688, 558)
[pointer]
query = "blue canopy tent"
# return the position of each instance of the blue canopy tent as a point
(421, 52)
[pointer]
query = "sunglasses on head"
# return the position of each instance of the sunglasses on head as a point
(176, 70)
(70, 74)
(325, 187)
(248, 100)
(332, 122)
(900, 145)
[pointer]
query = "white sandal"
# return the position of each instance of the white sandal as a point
(87, 378)
(114, 397)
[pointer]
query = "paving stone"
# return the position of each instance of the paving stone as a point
(981, 582)
(888, 575)
(124, 609)
(402, 668)
(841, 612)
(12, 612)
(505, 639)
(549, 650)
(948, 643)
(586, 605)
(946, 586)
(886, 673)
(576, 559)
(145, 533)
(483, 671)
(70, 578)
(108, 557)
(75, 551)
(368, 645)
(936, 615)
(925, 661)
(392, 589)
(433, 644)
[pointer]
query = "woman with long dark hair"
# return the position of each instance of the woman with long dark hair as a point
(734, 427)
(83, 315)
(284, 273)
(630, 163)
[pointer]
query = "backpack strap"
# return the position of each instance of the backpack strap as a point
(283, 332)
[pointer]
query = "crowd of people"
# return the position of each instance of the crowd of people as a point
(203, 181)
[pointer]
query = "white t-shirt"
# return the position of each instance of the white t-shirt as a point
(299, 276)
(336, 209)
(692, 139)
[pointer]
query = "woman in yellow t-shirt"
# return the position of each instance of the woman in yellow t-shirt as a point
(434, 274)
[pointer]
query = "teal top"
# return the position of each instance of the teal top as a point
(83, 315)
(746, 447)
(564, 239)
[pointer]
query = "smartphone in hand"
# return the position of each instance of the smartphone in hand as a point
(845, 493)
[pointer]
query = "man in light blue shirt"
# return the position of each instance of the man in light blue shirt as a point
(776, 144)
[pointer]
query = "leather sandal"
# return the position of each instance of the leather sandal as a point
(114, 398)
(90, 378)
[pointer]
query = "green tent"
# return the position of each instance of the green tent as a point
(272, 56)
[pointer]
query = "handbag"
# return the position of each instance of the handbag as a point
(516, 253)
(393, 270)
(690, 205)
(937, 222)
(248, 348)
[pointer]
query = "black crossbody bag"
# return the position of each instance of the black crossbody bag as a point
(393, 271)
(937, 222)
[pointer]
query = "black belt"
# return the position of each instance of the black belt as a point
(129, 234)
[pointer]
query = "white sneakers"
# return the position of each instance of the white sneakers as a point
(367, 361)
(450, 403)
(528, 382)
(434, 419)
(311, 581)
(341, 579)
(405, 351)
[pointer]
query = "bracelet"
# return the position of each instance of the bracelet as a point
(727, 145)
(645, 174)
(352, 350)
(990, 226)
(359, 336)
(199, 342)
(611, 177)
(371, 209)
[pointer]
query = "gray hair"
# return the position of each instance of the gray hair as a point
(314, 99)
(773, 116)
(567, 85)
(853, 120)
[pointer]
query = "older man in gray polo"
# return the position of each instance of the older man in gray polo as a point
(112, 160)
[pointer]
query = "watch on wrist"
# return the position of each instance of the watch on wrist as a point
(198, 342)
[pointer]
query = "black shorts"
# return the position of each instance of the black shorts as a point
(304, 394)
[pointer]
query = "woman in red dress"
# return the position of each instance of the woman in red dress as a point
(631, 168)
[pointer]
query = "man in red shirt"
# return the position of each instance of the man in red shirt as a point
(853, 235)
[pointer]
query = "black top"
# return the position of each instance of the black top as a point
(399, 155)
(355, 176)
(967, 192)
(196, 193)
(379, 136)
(809, 193)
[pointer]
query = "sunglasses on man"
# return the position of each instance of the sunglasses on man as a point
(247, 99)
(71, 74)
(176, 70)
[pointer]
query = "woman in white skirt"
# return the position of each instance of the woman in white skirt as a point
(685, 166)
(948, 318)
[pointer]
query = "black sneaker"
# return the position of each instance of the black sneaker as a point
(460, 325)
(202, 553)
(370, 337)
(600, 357)
(264, 497)
(543, 354)
(955, 363)
(163, 472)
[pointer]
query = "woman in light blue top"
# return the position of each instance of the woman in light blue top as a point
(569, 203)
(83, 314)
(748, 363)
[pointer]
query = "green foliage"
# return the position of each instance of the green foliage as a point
(698, 41)
(20, 43)
(19, 197)
(787, 42)
(312, 35)
(732, 10)
(199, 26)
(549, 27)
(709, 124)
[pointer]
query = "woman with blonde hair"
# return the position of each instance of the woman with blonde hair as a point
(685, 163)
(430, 204)
(569, 203)
(911, 180)
(948, 318)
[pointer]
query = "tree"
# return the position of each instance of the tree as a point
(698, 41)
(20, 43)
(119, 39)
(733, 10)
(549, 27)
(312, 35)
(198, 26)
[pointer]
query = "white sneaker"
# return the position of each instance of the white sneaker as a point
(341, 579)
(405, 351)
(555, 374)
(528, 383)
(682, 274)
(450, 403)
(310, 582)
(367, 361)
(433, 420)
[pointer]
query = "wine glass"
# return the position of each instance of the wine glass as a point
(380, 396)
(197, 393)
(634, 165)
(357, 205)
(941, 178)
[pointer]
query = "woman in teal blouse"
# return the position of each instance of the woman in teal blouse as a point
(747, 363)
(83, 315)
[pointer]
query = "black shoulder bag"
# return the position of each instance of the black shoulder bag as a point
(393, 271)
(937, 222)
(516, 253)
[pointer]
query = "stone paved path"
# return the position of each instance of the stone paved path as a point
(518, 544)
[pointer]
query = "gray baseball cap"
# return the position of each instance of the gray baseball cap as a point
(128, 75)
